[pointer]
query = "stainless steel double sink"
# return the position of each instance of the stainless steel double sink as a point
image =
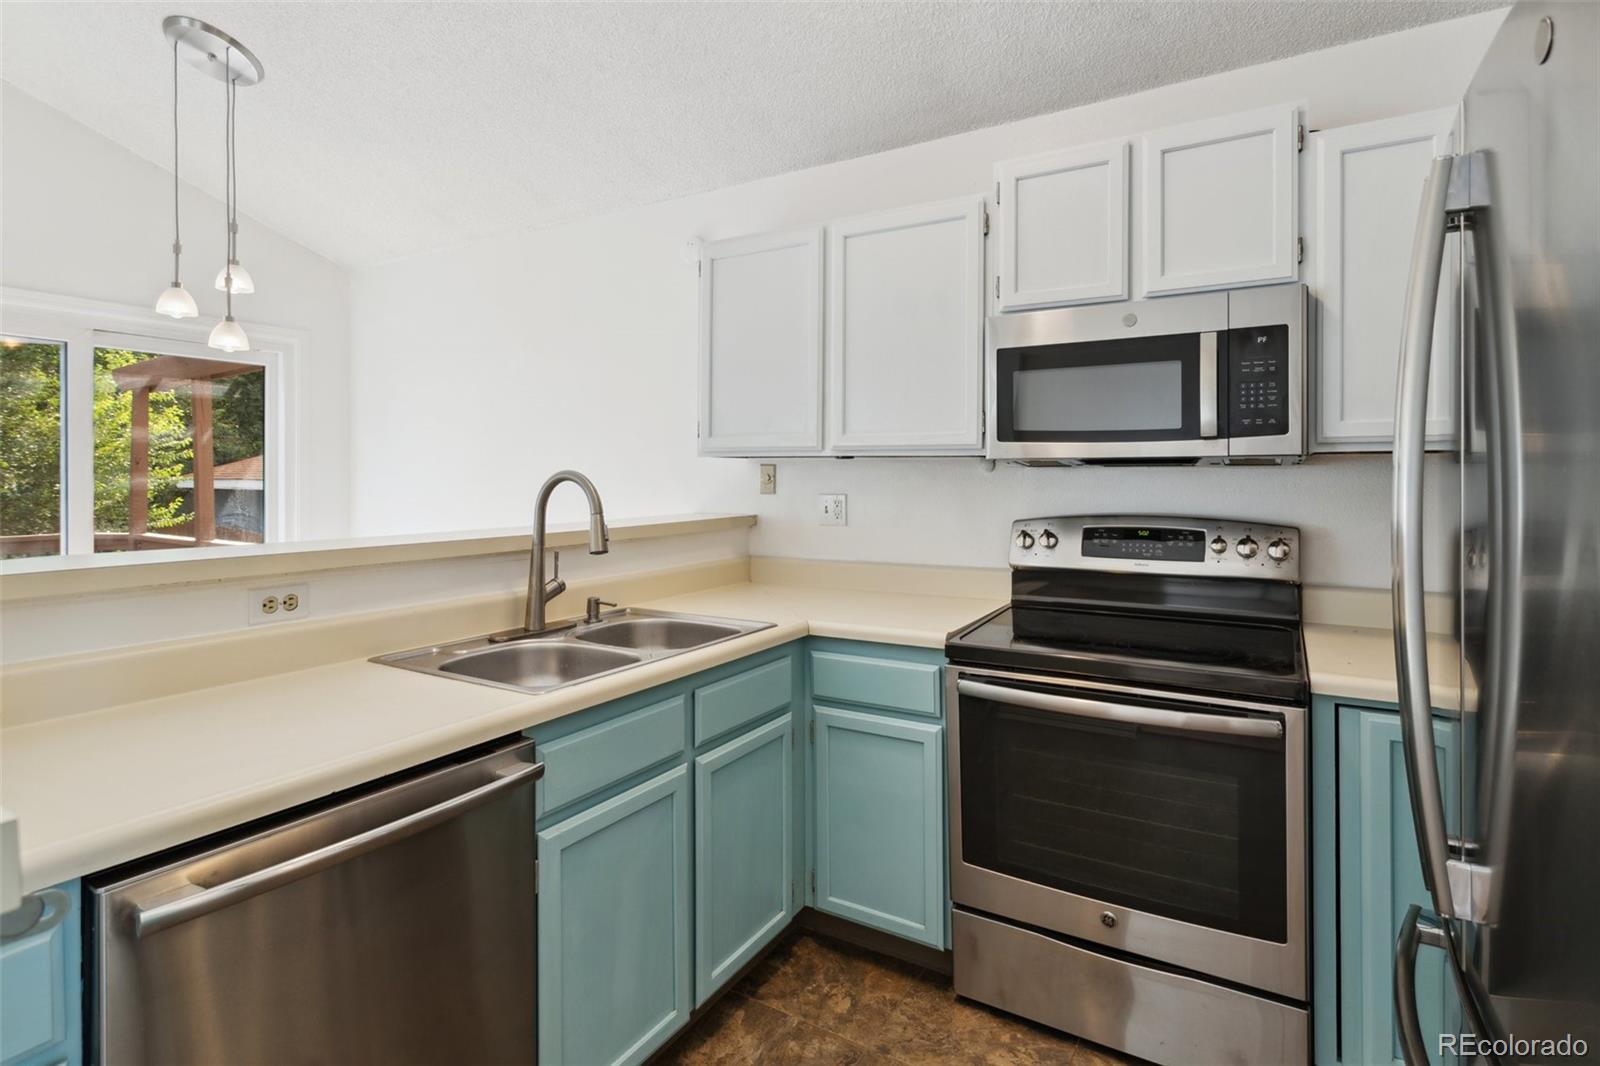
(567, 654)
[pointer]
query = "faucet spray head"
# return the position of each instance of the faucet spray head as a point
(599, 535)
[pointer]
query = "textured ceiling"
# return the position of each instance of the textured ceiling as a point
(385, 129)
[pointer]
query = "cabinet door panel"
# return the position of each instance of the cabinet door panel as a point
(40, 986)
(1064, 227)
(614, 966)
(1219, 202)
(744, 843)
(880, 823)
(1368, 182)
(761, 345)
(1380, 875)
(905, 330)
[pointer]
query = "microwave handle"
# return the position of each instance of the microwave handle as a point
(1208, 386)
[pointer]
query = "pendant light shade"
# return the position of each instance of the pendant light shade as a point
(228, 336)
(176, 303)
(243, 283)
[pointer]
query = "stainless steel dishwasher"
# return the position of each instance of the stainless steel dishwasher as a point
(390, 924)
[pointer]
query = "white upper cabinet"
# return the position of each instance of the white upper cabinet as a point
(1366, 189)
(905, 331)
(761, 345)
(1219, 202)
(1063, 227)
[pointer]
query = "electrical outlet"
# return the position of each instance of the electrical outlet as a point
(277, 604)
(830, 510)
(769, 478)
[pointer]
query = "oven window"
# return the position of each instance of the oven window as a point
(1189, 826)
(1143, 388)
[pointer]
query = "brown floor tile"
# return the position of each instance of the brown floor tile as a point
(820, 1001)
(734, 1032)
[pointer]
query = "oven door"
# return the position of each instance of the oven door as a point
(1086, 384)
(1170, 829)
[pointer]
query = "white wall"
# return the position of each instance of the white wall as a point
(82, 216)
(483, 368)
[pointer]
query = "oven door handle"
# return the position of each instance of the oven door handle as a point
(1125, 714)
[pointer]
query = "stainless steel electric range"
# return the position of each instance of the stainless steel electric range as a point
(1127, 769)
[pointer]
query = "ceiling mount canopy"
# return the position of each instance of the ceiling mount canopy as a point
(206, 48)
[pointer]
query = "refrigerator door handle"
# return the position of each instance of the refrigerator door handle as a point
(1410, 624)
(1415, 930)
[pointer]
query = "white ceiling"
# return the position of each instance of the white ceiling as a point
(385, 129)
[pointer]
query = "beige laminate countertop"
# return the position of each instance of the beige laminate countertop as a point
(99, 788)
(95, 789)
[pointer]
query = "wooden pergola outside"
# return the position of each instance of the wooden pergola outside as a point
(164, 373)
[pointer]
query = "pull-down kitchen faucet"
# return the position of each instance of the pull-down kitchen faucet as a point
(540, 591)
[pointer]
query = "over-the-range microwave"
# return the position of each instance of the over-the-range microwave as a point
(1212, 377)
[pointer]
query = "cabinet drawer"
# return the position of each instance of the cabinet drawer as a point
(898, 686)
(733, 701)
(580, 764)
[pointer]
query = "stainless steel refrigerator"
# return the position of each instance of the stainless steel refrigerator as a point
(1514, 867)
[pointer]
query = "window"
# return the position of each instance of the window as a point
(30, 447)
(115, 441)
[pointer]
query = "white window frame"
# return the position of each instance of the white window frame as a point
(84, 325)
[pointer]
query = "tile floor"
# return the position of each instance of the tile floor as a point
(820, 1001)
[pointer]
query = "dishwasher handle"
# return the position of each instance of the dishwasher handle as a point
(151, 920)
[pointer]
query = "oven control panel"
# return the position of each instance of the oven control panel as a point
(1162, 544)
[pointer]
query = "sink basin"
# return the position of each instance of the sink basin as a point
(536, 664)
(570, 652)
(655, 634)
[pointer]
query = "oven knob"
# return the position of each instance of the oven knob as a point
(1247, 548)
(1024, 540)
(1108, 919)
(1218, 545)
(1278, 550)
(1049, 540)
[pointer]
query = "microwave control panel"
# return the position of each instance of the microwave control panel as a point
(1258, 381)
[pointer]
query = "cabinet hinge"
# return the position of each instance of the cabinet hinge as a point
(997, 194)
(699, 267)
(697, 431)
(535, 877)
(986, 222)
(1299, 249)
(811, 730)
(813, 882)
(997, 286)
(1300, 138)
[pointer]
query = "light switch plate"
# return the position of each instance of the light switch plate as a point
(769, 478)
(831, 510)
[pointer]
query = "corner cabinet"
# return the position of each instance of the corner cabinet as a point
(1219, 202)
(1365, 185)
(1063, 220)
(1367, 872)
(905, 331)
(761, 345)
(614, 952)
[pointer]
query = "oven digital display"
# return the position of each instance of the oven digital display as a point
(1138, 542)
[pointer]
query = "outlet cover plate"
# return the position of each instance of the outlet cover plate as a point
(831, 509)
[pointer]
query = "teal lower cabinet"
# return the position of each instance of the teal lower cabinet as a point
(41, 1013)
(743, 850)
(614, 947)
(1367, 872)
(880, 836)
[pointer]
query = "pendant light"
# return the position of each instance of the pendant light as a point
(207, 48)
(233, 277)
(228, 335)
(176, 302)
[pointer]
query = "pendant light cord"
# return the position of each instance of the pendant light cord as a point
(227, 177)
(177, 229)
